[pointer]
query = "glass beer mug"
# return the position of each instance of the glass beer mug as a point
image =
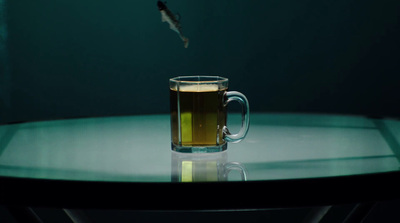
(199, 113)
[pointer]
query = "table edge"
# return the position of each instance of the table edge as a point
(200, 195)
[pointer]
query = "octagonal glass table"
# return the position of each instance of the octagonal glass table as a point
(286, 160)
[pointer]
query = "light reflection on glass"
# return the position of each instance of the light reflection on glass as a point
(203, 167)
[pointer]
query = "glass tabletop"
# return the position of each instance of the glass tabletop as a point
(136, 149)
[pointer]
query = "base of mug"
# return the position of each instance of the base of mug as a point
(199, 149)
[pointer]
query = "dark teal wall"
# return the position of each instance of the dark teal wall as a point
(70, 58)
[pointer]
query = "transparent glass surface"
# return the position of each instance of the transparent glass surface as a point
(137, 149)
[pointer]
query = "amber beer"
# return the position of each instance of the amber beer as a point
(198, 115)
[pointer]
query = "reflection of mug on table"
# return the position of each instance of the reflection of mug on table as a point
(198, 114)
(187, 167)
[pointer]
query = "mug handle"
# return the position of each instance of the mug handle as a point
(239, 97)
(236, 166)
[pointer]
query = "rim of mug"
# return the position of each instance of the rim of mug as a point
(211, 79)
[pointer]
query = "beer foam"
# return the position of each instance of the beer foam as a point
(200, 88)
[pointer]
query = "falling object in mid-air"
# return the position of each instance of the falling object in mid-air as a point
(174, 24)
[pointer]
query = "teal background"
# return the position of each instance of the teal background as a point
(77, 58)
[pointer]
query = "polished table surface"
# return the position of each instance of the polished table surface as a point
(125, 155)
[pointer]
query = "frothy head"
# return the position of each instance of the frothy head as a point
(198, 83)
(200, 88)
